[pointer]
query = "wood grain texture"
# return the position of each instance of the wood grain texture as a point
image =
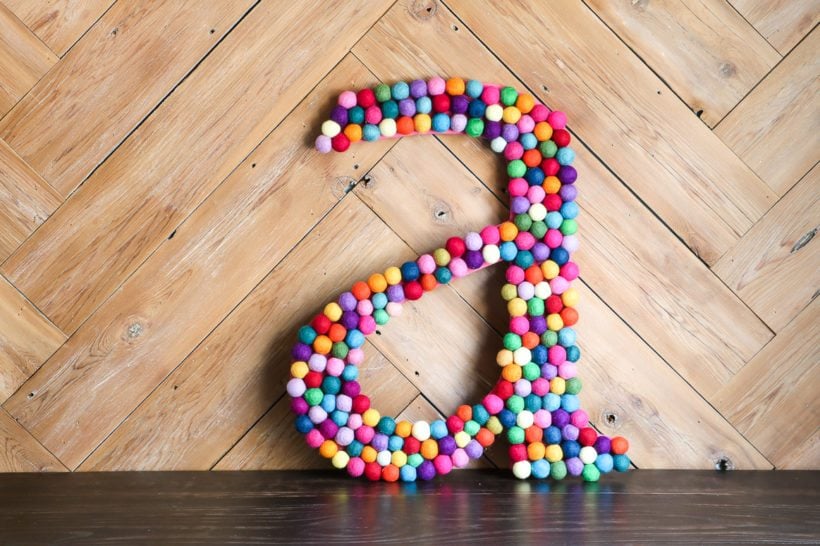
(775, 267)
(23, 59)
(161, 173)
(221, 252)
(26, 200)
(624, 378)
(101, 90)
(27, 339)
(59, 23)
(773, 400)
(782, 22)
(240, 370)
(20, 452)
(705, 194)
(707, 53)
(779, 120)
(474, 507)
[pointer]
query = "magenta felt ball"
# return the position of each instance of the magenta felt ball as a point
(525, 124)
(490, 235)
(513, 150)
(540, 386)
(373, 115)
(557, 120)
(519, 325)
(556, 355)
(579, 418)
(493, 404)
(569, 271)
(355, 467)
(490, 95)
(553, 238)
(515, 274)
(367, 325)
(314, 438)
(443, 464)
(524, 240)
(539, 112)
(518, 187)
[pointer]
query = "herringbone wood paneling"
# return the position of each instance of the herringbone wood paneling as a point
(165, 224)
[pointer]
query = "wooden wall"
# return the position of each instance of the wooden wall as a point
(165, 225)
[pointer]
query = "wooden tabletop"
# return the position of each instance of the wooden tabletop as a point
(646, 507)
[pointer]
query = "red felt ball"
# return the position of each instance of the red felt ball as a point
(503, 389)
(550, 166)
(321, 323)
(454, 424)
(569, 316)
(313, 380)
(455, 246)
(553, 202)
(413, 290)
(561, 137)
(361, 403)
(441, 103)
(373, 471)
(587, 436)
(366, 98)
(518, 452)
(554, 304)
(340, 142)
(411, 445)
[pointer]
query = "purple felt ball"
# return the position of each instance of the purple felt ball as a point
(301, 351)
(602, 444)
(351, 388)
(474, 259)
(299, 406)
(395, 293)
(459, 104)
(570, 432)
(540, 251)
(323, 144)
(447, 445)
(574, 466)
(474, 449)
(328, 429)
(339, 115)
(407, 107)
(427, 471)
(549, 372)
(538, 324)
(380, 442)
(519, 205)
(568, 193)
(350, 319)
(560, 418)
(492, 129)
(509, 132)
(418, 88)
(347, 301)
(567, 174)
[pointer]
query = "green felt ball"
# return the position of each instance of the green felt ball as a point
(516, 168)
(569, 226)
(415, 459)
(515, 435)
(549, 338)
(475, 127)
(314, 396)
(382, 92)
(381, 317)
(573, 386)
(340, 349)
(508, 96)
(523, 221)
(531, 371)
(471, 427)
(558, 470)
(591, 473)
(512, 341)
(538, 229)
(535, 307)
(515, 403)
(548, 148)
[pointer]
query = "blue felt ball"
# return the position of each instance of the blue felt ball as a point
(570, 402)
(329, 402)
(534, 176)
(350, 373)
(304, 424)
(476, 109)
(507, 418)
(395, 443)
(573, 353)
(407, 473)
(569, 209)
(552, 435)
(566, 337)
(438, 429)
(539, 354)
(621, 463)
(565, 156)
(559, 255)
(554, 220)
(540, 469)
(371, 132)
(424, 105)
(474, 88)
(604, 462)
(508, 251)
(528, 141)
(571, 448)
(354, 338)
(551, 401)
(441, 123)
(400, 90)
(410, 271)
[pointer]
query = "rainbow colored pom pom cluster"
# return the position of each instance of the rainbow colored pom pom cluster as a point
(535, 401)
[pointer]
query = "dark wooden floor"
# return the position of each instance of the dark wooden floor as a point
(469, 506)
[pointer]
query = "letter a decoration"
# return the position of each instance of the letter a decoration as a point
(535, 400)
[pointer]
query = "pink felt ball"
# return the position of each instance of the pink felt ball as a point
(355, 356)
(314, 438)
(490, 94)
(296, 387)
(540, 386)
(364, 307)
(553, 238)
(525, 124)
(515, 274)
(513, 150)
(443, 464)
(557, 120)
(519, 325)
(567, 370)
(436, 86)
(490, 235)
(347, 99)
(518, 187)
(460, 458)
(426, 263)
(539, 112)
(542, 418)
(579, 418)
(335, 367)
(354, 421)
(373, 115)
(536, 194)
(367, 325)
(323, 144)
(556, 355)
(458, 267)
(524, 240)
(493, 404)
(355, 467)
(559, 285)
(569, 271)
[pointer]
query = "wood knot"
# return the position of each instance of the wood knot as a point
(726, 70)
(134, 330)
(441, 212)
(423, 9)
(640, 5)
(611, 419)
(342, 185)
(724, 464)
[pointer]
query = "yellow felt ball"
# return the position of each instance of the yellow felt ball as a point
(328, 449)
(550, 269)
(462, 438)
(509, 291)
(399, 458)
(429, 449)
(299, 369)
(553, 453)
(422, 123)
(404, 429)
(369, 454)
(392, 275)
(570, 297)
(555, 322)
(340, 459)
(551, 185)
(558, 385)
(511, 114)
(371, 417)
(377, 282)
(494, 425)
(517, 307)
(504, 357)
(333, 311)
(542, 131)
(536, 451)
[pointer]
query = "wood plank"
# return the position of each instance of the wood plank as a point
(782, 22)
(707, 53)
(805, 456)
(20, 452)
(129, 345)
(123, 67)
(59, 23)
(26, 200)
(650, 140)
(775, 268)
(773, 400)
(23, 59)
(206, 405)
(652, 405)
(136, 198)
(470, 507)
(27, 339)
(779, 120)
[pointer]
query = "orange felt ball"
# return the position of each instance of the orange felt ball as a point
(404, 428)
(428, 282)
(511, 373)
(405, 125)
(377, 282)
(569, 315)
(536, 451)
(353, 132)
(485, 437)
(530, 340)
(337, 332)
(533, 433)
(508, 231)
(369, 454)
(525, 103)
(429, 449)
(360, 290)
(533, 274)
(328, 449)
(619, 445)
(551, 185)
(542, 131)
(322, 345)
(390, 473)
(532, 158)
(464, 412)
(455, 86)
